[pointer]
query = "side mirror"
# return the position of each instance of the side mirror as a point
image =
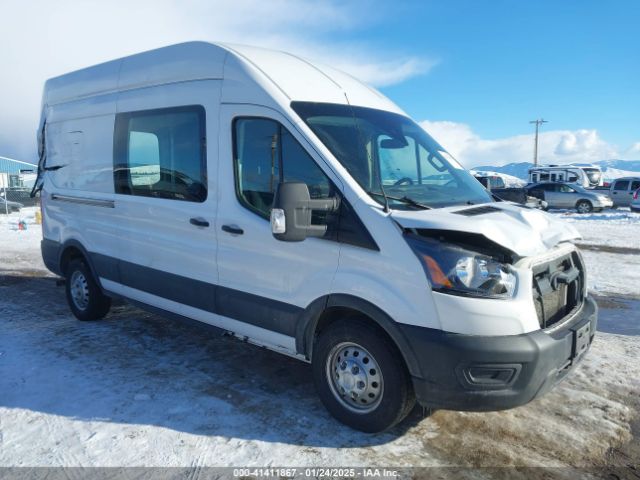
(292, 209)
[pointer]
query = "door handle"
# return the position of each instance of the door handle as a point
(199, 222)
(232, 229)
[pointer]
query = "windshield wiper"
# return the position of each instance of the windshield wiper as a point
(405, 199)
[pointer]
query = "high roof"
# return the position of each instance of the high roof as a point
(283, 77)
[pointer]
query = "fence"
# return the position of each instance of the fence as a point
(16, 180)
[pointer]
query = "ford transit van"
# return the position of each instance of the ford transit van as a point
(299, 209)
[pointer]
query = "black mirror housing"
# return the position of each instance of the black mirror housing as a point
(292, 209)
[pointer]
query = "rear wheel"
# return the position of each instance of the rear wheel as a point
(86, 300)
(360, 377)
(584, 206)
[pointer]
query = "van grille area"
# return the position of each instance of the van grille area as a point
(558, 288)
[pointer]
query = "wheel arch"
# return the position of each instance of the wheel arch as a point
(329, 308)
(72, 249)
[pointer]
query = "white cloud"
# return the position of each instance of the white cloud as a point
(555, 146)
(41, 39)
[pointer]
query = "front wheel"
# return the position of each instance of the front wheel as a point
(86, 300)
(584, 206)
(360, 377)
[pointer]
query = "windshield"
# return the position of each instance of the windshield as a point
(384, 148)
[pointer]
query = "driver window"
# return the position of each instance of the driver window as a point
(566, 189)
(265, 153)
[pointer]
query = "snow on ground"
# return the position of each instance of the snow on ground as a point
(618, 227)
(611, 248)
(139, 390)
(613, 274)
(19, 248)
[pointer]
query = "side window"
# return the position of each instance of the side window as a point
(298, 166)
(497, 182)
(537, 192)
(265, 153)
(257, 162)
(161, 153)
(566, 189)
(621, 185)
(145, 148)
(572, 177)
(635, 185)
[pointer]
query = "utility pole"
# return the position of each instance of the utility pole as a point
(538, 122)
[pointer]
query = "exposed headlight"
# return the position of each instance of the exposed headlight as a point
(459, 271)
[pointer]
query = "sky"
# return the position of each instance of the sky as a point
(473, 73)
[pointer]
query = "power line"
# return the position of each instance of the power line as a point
(538, 122)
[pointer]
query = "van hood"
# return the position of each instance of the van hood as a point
(524, 231)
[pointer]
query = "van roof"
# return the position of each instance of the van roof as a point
(279, 74)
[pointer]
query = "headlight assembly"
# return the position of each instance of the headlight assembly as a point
(456, 270)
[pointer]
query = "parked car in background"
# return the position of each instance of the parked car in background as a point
(496, 185)
(563, 195)
(622, 190)
(635, 201)
(9, 206)
(491, 182)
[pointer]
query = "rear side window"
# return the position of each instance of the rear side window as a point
(161, 153)
(537, 192)
(621, 185)
(265, 153)
(497, 182)
(635, 185)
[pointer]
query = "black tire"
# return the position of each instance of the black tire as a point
(396, 398)
(91, 304)
(584, 206)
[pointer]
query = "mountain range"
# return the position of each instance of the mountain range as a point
(611, 168)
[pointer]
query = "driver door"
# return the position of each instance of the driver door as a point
(264, 283)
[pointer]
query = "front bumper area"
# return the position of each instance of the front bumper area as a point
(603, 203)
(484, 373)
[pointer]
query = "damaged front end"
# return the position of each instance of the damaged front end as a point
(514, 323)
(463, 264)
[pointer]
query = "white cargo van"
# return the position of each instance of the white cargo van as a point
(299, 209)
